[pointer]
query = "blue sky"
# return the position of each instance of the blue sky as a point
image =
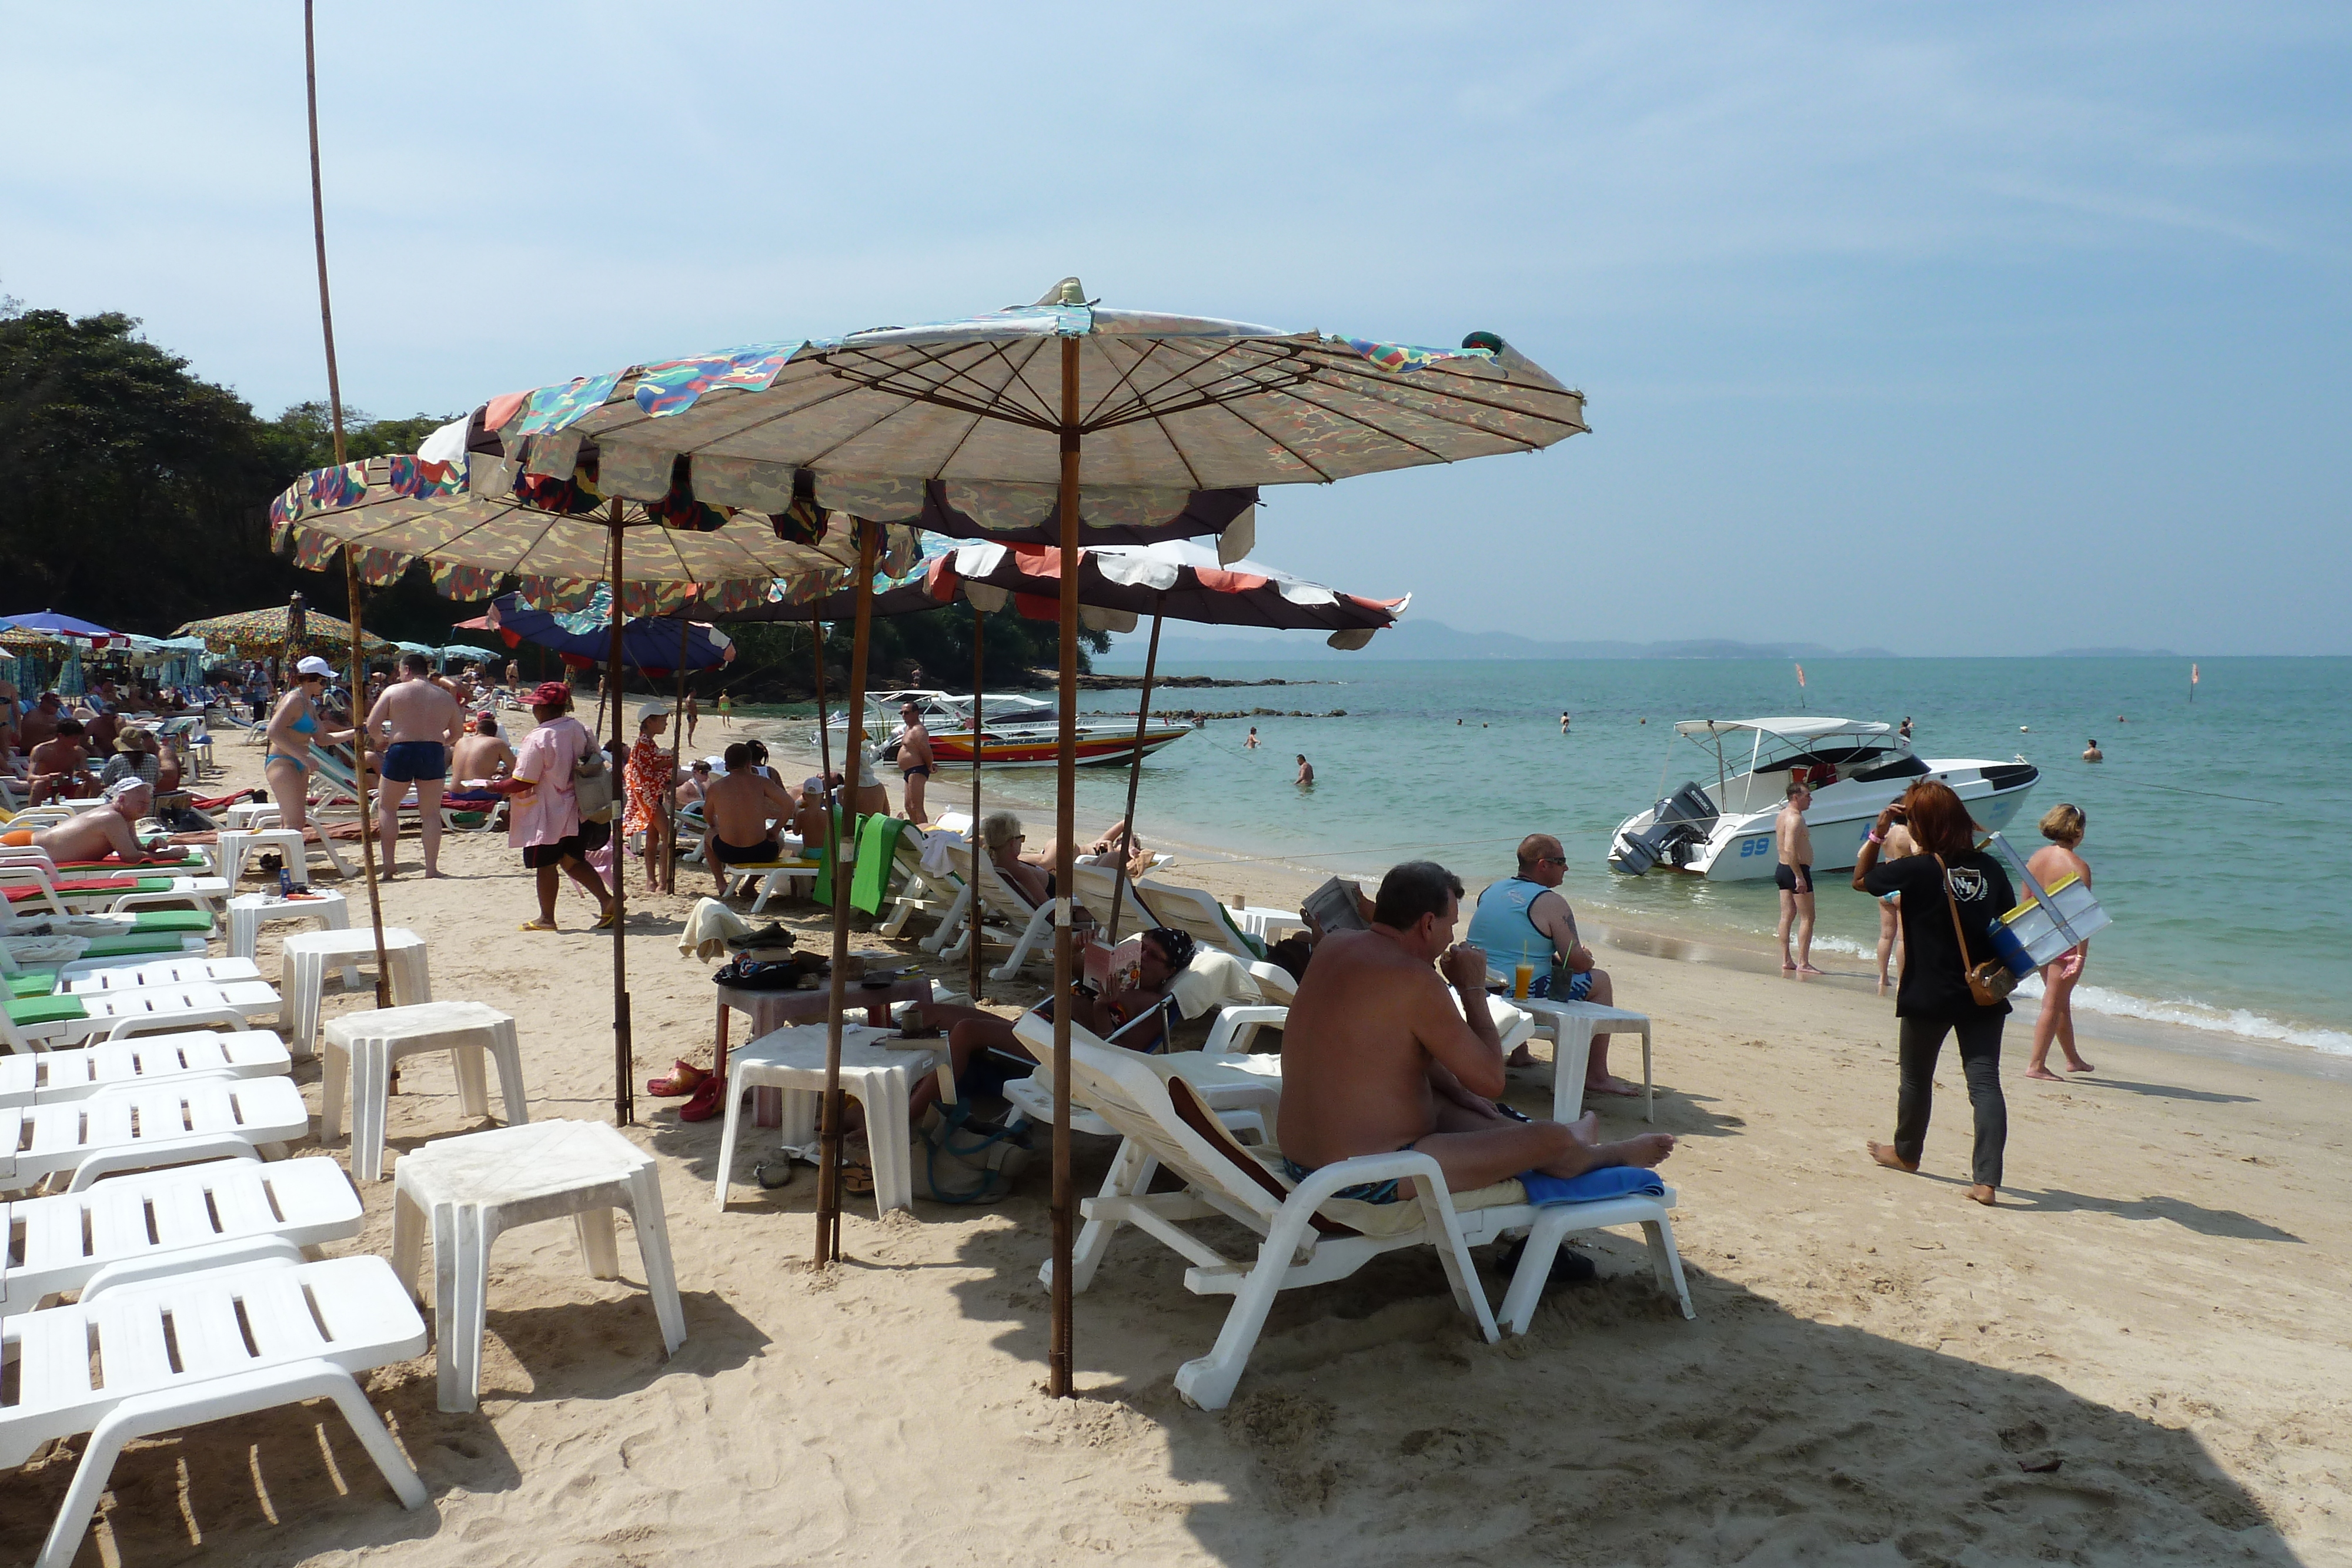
(1950, 328)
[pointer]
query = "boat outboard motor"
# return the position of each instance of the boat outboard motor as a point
(1684, 818)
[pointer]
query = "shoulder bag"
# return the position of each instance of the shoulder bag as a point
(592, 784)
(1990, 982)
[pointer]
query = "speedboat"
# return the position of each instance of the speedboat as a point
(1723, 831)
(1017, 731)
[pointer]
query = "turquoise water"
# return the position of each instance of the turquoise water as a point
(2231, 906)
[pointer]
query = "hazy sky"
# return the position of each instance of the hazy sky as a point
(1953, 329)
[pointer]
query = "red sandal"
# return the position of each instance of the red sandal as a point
(708, 1100)
(684, 1078)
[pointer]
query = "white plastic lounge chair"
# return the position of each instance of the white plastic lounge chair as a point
(1236, 1027)
(60, 897)
(919, 891)
(140, 1354)
(1097, 891)
(70, 1019)
(147, 1127)
(61, 1242)
(1307, 1236)
(1003, 902)
(46, 1077)
(1199, 914)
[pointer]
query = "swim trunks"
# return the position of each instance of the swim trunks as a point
(726, 854)
(406, 761)
(909, 772)
(1793, 878)
(1363, 1192)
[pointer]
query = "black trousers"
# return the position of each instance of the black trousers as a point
(1922, 1041)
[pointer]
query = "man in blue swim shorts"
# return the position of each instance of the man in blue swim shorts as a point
(1390, 1047)
(416, 721)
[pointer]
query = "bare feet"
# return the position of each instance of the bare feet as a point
(1787, 967)
(1648, 1150)
(1586, 1128)
(2079, 1065)
(1809, 969)
(1617, 1086)
(1886, 1156)
(2045, 1074)
(1522, 1057)
(434, 874)
(1980, 1194)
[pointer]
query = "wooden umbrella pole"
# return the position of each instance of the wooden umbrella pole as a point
(351, 565)
(978, 676)
(1058, 1380)
(625, 1105)
(844, 864)
(1135, 768)
(677, 753)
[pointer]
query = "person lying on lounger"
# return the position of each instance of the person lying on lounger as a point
(108, 831)
(984, 1050)
(1376, 1057)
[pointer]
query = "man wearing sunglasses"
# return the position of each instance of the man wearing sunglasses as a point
(1523, 916)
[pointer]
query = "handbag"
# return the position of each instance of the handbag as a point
(1990, 982)
(592, 784)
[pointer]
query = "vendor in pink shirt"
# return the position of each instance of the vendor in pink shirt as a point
(544, 814)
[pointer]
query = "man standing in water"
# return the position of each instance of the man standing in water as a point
(1794, 877)
(915, 762)
(420, 721)
(1305, 772)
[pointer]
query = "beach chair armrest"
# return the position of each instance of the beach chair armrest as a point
(1243, 1022)
(195, 1018)
(154, 1153)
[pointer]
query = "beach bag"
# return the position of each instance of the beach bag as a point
(1990, 982)
(592, 784)
(961, 1158)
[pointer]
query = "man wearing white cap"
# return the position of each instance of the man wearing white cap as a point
(108, 830)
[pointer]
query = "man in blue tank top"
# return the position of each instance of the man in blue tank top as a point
(1523, 916)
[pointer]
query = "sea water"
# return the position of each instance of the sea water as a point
(2218, 826)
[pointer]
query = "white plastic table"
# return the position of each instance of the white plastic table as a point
(1265, 924)
(247, 815)
(877, 1077)
(1569, 1025)
(250, 911)
(360, 1050)
(306, 957)
(472, 1187)
(237, 844)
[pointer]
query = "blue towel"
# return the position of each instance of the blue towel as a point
(1609, 1181)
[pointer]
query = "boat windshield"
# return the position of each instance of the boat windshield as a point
(1753, 758)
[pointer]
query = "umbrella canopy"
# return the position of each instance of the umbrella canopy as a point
(465, 653)
(72, 626)
(257, 633)
(648, 643)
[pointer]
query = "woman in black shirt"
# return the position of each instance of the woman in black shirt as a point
(1933, 1000)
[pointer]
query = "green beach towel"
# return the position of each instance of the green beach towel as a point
(878, 852)
(821, 890)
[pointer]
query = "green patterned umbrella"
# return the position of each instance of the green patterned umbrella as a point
(261, 634)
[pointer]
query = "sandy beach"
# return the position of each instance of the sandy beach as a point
(2138, 1356)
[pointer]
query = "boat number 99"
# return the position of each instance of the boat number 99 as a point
(1754, 847)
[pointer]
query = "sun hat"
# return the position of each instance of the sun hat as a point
(551, 694)
(312, 665)
(486, 716)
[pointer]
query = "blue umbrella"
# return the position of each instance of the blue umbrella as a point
(649, 644)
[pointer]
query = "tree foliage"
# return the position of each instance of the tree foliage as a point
(937, 642)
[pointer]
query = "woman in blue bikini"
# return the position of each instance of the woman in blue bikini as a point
(286, 764)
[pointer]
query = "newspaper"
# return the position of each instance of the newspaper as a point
(1335, 907)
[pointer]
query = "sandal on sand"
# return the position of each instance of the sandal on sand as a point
(857, 1181)
(536, 925)
(684, 1078)
(610, 918)
(709, 1100)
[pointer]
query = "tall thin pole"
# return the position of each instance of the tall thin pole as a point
(978, 676)
(845, 867)
(1135, 768)
(1059, 1379)
(676, 747)
(624, 1103)
(351, 563)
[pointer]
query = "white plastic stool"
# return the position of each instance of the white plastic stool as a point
(876, 1077)
(250, 911)
(473, 1187)
(304, 957)
(362, 1049)
(1569, 1027)
(236, 845)
(248, 815)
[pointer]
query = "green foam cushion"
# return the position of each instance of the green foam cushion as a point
(29, 1011)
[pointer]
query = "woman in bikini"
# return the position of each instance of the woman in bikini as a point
(2053, 864)
(293, 730)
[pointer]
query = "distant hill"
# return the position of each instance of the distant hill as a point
(1417, 639)
(2116, 654)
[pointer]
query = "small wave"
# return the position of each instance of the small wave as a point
(2192, 1014)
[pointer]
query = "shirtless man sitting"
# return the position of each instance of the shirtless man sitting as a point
(58, 768)
(419, 720)
(1376, 1057)
(735, 812)
(484, 754)
(108, 831)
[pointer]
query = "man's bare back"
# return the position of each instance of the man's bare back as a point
(737, 808)
(481, 756)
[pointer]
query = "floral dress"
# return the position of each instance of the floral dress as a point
(645, 778)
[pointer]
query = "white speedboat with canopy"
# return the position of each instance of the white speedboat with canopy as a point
(1723, 831)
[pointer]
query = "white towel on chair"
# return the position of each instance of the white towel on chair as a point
(936, 844)
(708, 926)
(1212, 980)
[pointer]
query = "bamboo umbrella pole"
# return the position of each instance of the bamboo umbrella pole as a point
(844, 862)
(1135, 768)
(625, 1110)
(350, 564)
(1058, 1382)
(978, 676)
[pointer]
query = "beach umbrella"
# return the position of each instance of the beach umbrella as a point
(649, 644)
(1039, 420)
(69, 627)
(466, 654)
(275, 633)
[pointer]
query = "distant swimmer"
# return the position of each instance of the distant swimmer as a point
(1564, 723)
(1905, 732)
(2091, 753)
(1251, 744)
(1306, 771)
(1794, 877)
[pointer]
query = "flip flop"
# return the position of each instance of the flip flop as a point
(857, 1181)
(709, 1101)
(684, 1078)
(608, 921)
(535, 926)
